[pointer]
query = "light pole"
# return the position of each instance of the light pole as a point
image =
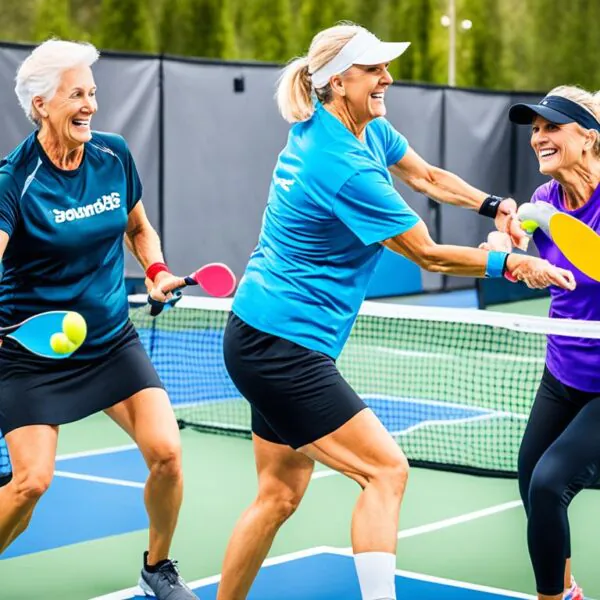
(449, 21)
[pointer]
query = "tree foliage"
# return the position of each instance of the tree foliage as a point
(53, 19)
(513, 44)
(127, 25)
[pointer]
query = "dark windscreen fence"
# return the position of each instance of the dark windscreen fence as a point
(206, 134)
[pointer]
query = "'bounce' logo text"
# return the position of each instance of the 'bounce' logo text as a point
(105, 203)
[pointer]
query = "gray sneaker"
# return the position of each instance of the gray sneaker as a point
(166, 583)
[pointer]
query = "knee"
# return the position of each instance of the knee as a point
(29, 486)
(393, 477)
(165, 461)
(545, 492)
(279, 504)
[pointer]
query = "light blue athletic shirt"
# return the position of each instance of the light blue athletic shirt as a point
(330, 203)
(66, 228)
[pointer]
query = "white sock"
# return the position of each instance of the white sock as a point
(376, 575)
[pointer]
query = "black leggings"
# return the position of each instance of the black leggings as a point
(559, 456)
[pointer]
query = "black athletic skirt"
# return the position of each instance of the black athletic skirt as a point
(297, 395)
(43, 391)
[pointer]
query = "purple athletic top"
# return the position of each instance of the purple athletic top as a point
(573, 361)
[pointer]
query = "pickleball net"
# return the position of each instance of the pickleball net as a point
(453, 386)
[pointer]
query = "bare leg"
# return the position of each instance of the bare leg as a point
(32, 451)
(363, 450)
(148, 418)
(568, 574)
(283, 476)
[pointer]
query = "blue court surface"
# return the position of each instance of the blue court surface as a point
(329, 574)
(92, 496)
(99, 494)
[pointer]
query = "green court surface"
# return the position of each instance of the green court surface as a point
(453, 526)
(458, 527)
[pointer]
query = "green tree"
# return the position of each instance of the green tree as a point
(479, 47)
(176, 27)
(517, 46)
(267, 33)
(53, 19)
(316, 15)
(566, 44)
(514, 44)
(127, 25)
(418, 22)
(86, 17)
(205, 28)
(17, 21)
(224, 38)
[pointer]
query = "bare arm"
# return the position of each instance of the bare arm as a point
(143, 242)
(436, 183)
(141, 238)
(449, 188)
(417, 245)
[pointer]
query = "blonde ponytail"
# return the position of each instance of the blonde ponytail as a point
(294, 92)
(294, 88)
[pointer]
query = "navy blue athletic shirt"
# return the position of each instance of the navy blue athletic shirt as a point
(66, 228)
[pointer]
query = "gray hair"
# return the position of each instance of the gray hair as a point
(40, 72)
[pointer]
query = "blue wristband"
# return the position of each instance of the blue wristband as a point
(496, 264)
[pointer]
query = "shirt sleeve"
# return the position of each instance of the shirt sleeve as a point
(541, 194)
(372, 208)
(118, 146)
(134, 183)
(9, 204)
(396, 144)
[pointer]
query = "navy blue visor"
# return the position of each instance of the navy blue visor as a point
(555, 109)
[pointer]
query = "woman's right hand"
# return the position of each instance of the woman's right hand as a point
(539, 273)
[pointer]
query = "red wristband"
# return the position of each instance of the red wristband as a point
(155, 268)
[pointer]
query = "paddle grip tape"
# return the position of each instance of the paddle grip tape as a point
(489, 207)
(496, 264)
(156, 306)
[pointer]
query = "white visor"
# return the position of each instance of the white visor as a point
(363, 49)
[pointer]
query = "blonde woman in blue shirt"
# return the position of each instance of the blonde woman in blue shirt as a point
(332, 208)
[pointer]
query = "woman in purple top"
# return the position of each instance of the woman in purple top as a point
(560, 451)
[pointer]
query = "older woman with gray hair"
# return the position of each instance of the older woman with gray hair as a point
(332, 207)
(68, 195)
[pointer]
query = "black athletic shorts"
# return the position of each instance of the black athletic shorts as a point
(297, 395)
(45, 391)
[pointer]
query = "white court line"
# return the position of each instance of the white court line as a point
(292, 556)
(96, 452)
(96, 479)
(437, 422)
(441, 403)
(452, 521)
(412, 532)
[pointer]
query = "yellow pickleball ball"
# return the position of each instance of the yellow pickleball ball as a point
(75, 328)
(61, 344)
(529, 226)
